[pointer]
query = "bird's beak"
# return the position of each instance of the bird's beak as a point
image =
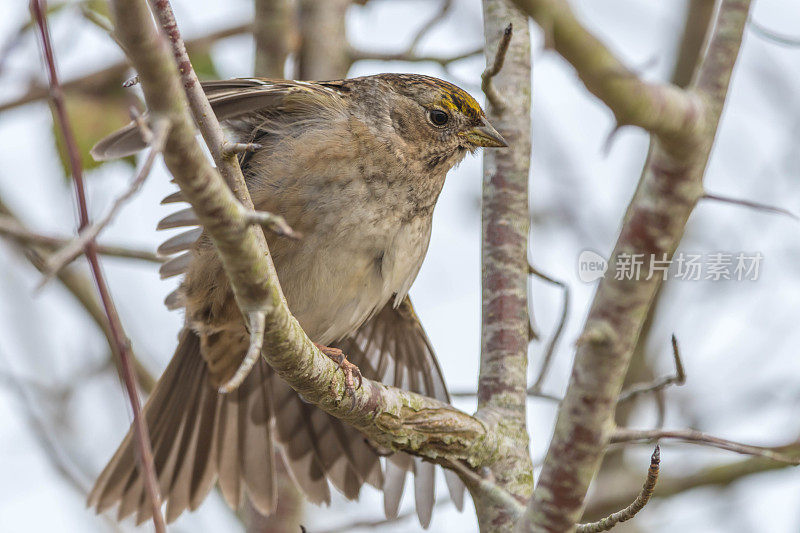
(485, 135)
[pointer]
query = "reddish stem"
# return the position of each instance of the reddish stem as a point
(121, 345)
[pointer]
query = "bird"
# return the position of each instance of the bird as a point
(356, 166)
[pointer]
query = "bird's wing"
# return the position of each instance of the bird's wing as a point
(392, 347)
(231, 99)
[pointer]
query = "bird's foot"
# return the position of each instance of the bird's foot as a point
(351, 372)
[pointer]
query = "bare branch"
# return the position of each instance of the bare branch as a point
(428, 26)
(322, 54)
(11, 228)
(770, 35)
(638, 504)
(444, 61)
(750, 204)
(274, 223)
(77, 284)
(488, 88)
(97, 19)
(87, 235)
(240, 148)
(227, 162)
(625, 435)
(724, 475)
(536, 388)
(273, 24)
(670, 186)
(662, 109)
(256, 322)
(697, 22)
(678, 379)
(53, 451)
(121, 345)
(100, 78)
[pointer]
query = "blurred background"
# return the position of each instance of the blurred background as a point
(62, 408)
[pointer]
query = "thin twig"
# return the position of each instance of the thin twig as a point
(713, 477)
(638, 504)
(770, 35)
(536, 388)
(444, 61)
(691, 436)
(256, 321)
(14, 230)
(53, 450)
(77, 284)
(753, 205)
(654, 386)
(204, 116)
(429, 25)
(240, 148)
(88, 235)
(121, 344)
(90, 82)
(274, 223)
(492, 70)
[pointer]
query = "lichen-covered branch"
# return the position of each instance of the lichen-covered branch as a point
(502, 382)
(390, 417)
(670, 187)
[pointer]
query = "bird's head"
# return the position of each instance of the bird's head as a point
(437, 121)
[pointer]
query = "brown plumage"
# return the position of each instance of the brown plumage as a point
(356, 166)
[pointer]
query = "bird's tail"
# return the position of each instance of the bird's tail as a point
(197, 436)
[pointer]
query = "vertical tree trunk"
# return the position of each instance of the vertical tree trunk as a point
(504, 334)
(323, 40)
(272, 30)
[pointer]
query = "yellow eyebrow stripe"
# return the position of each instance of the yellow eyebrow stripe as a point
(457, 99)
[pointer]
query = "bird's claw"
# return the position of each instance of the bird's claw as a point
(351, 372)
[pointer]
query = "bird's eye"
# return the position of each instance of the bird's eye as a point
(438, 117)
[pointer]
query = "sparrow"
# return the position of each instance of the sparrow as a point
(356, 166)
